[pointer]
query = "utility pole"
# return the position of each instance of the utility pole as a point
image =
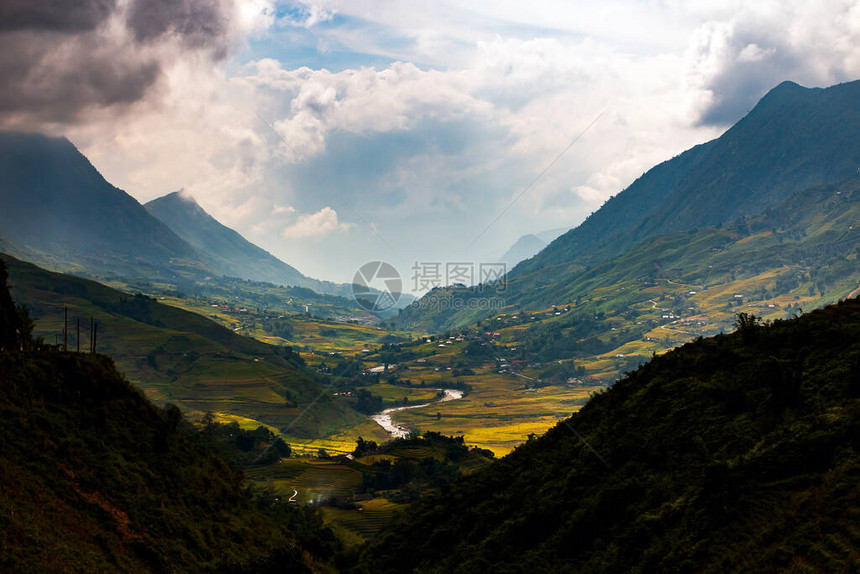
(65, 328)
(92, 322)
(95, 336)
(78, 334)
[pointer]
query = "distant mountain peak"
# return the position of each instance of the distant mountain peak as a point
(182, 194)
(226, 250)
(56, 206)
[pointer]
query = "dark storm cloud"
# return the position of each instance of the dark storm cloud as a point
(54, 14)
(46, 79)
(199, 24)
(740, 86)
(757, 55)
(59, 59)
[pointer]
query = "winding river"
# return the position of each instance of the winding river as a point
(385, 420)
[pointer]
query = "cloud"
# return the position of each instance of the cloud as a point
(315, 225)
(733, 62)
(196, 24)
(364, 101)
(47, 15)
(60, 62)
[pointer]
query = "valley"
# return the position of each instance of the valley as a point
(690, 341)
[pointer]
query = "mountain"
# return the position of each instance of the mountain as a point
(737, 453)
(525, 247)
(58, 210)
(800, 253)
(793, 139)
(180, 357)
(528, 245)
(227, 252)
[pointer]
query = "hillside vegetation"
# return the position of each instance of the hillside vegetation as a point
(793, 139)
(799, 253)
(95, 478)
(181, 357)
(737, 453)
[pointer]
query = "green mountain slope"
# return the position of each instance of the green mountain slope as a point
(181, 357)
(801, 252)
(794, 138)
(227, 252)
(738, 453)
(97, 479)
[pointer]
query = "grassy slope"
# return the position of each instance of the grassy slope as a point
(181, 357)
(734, 453)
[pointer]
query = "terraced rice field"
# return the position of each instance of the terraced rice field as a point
(372, 516)
(315, 480)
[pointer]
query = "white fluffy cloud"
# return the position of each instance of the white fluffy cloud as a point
(360, 101)
(315, 225)
(731, 62)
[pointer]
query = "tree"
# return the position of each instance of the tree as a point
(362, 447)
(11, 327)
(748, 324)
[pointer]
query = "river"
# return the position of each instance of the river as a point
(385, 420)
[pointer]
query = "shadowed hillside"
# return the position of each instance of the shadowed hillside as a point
(57, 209)
(737, 453)
(94, 478)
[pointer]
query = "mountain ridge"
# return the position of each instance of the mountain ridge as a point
(794, 139)
(797, 157)
(227, 251)
(57, 207)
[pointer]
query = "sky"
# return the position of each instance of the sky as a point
(333, 133)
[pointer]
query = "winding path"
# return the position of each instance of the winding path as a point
(385, 420)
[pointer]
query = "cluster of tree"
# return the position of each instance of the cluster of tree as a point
(279, 328)
(16, 326)
(246, 447)
(579, 333)
(412, 476)
(366, 402)
(394, 353)
(557, 372)
(362, 447)
(426, 472)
